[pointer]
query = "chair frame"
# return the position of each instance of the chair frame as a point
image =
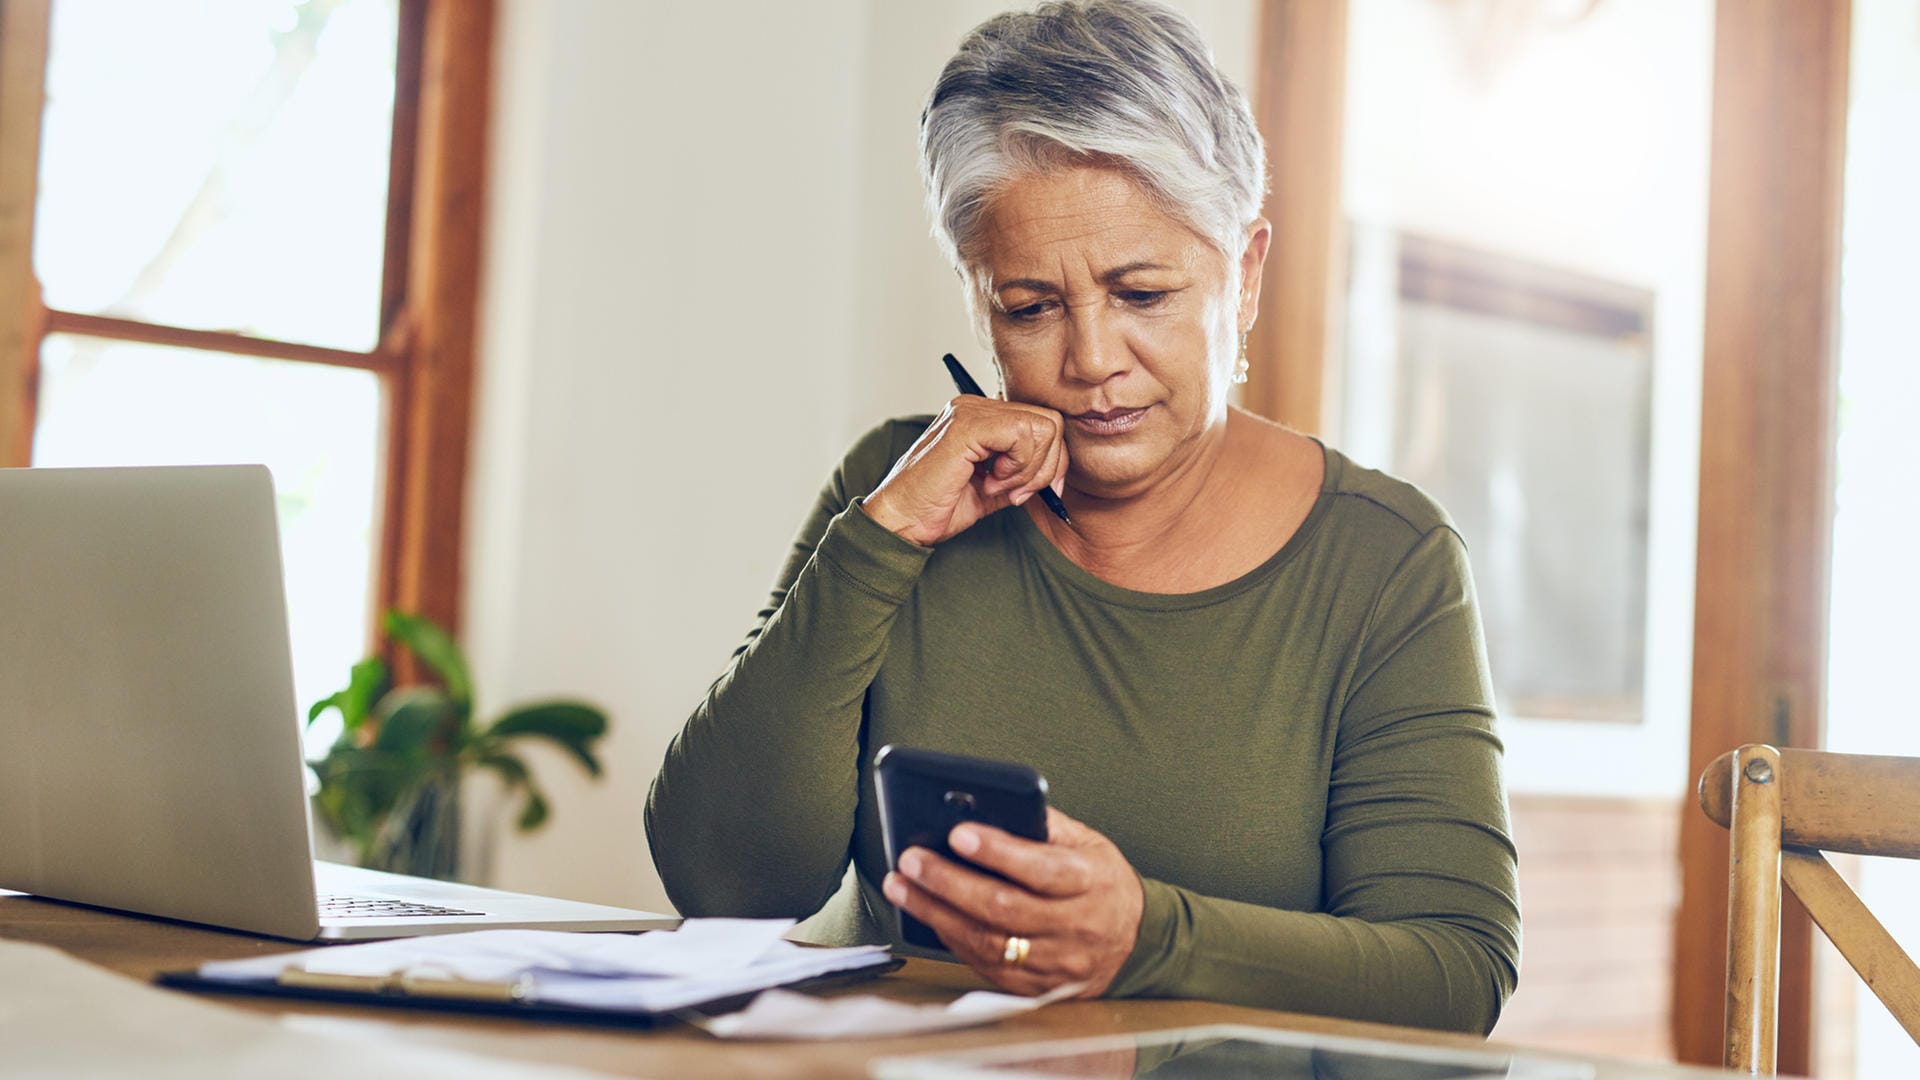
(1783, 808)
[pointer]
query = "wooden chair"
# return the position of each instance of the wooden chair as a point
(1783, 808)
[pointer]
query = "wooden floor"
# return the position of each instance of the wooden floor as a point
(1599, 890)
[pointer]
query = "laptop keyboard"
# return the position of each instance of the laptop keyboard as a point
(379, 907)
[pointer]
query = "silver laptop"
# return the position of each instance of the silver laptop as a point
(150, 756)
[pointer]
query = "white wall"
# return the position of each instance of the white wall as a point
(708, 270)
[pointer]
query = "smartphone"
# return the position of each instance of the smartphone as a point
(924, 794)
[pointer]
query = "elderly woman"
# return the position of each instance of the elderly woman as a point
(1251, 670)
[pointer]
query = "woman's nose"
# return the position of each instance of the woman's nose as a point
(1096, 350)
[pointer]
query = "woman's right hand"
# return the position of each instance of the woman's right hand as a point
(978, 456)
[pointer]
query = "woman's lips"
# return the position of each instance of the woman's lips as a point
(1111, 422)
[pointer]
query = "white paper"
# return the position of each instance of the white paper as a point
(659, 971)
(701, 946)
(784, 963)
(778, 1014)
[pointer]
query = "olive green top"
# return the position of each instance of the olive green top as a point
(1301, 763)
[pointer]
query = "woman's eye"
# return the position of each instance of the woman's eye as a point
(1029, 312)
(1142, 297)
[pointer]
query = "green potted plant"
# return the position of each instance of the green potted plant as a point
(390, 783)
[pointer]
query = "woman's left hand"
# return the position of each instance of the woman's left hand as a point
(1075, 899)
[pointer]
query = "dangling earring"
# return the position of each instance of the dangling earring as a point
(1241, 366)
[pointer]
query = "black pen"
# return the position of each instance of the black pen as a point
(967, 386)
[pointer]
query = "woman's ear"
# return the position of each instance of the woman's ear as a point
(1252, 261)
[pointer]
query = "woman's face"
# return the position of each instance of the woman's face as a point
(1117, 316)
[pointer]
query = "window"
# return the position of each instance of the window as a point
(254, 225)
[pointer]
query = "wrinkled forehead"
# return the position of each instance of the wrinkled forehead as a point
(1082, 224)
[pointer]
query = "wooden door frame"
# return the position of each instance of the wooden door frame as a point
(1766, 460)
(1299, 102)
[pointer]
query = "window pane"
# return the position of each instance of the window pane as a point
(219, 165)
(1526, 188)
(316, 427)
(1552, 500)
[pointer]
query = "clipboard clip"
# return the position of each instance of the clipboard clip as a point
(405, 985)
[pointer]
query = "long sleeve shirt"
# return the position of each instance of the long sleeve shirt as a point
(1301, 763)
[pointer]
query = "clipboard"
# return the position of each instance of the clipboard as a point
(489, 999)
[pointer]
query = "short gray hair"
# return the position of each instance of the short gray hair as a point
(1127, 84)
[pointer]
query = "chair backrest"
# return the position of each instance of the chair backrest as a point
(1783, 808)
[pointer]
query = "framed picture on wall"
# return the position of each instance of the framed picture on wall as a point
(1520, 397)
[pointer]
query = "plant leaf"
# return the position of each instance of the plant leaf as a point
(534, 814)
(436, 649)
(364, 684)
(331, 701)
(358, 789)
(512, 770)
(555, 719)
(574, 727)
(412, 717)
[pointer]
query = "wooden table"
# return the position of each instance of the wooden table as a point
(140, 948)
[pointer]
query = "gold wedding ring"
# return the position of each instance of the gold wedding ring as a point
(1015, 953)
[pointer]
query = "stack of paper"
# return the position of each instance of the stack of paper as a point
(662, 971)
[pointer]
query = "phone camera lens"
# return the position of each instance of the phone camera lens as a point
(960, 802)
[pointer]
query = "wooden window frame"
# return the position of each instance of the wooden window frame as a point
(23, 66)
(429, 294)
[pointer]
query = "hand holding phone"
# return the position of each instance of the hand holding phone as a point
(925, 793)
